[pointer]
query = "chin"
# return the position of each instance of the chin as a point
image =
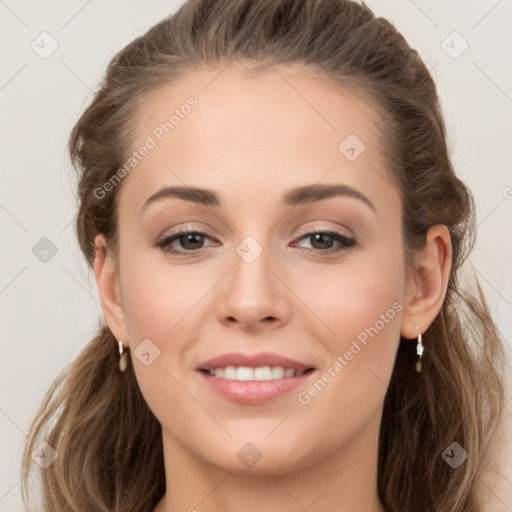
(258, 455)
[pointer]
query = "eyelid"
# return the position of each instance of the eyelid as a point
(186, 228)
(321, 229)
(183, 231)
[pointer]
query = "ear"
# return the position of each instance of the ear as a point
(107, 280)
(427, 282)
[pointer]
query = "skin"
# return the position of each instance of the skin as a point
(251, 138)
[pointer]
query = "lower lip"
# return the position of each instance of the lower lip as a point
(254, 392)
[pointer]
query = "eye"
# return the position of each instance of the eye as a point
(190, 241)
(323, 241)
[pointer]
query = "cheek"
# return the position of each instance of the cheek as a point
(356, 294)
(161, 312)
(363, 309)
(157, 296)
(165, 304)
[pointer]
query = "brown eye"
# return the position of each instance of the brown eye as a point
(325, 241)
(189, 241)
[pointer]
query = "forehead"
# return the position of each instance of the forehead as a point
(255, 131)
(282, 99)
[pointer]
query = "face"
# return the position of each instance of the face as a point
(268, 275)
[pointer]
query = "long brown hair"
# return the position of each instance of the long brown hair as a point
(107, 439)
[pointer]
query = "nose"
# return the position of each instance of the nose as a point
(254, 295)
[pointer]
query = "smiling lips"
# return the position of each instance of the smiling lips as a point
(255, 378)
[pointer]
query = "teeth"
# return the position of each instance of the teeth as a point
(277, 372)
(262, 373)
(230, 373)
(245, 373)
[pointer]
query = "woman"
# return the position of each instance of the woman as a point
(277, 232)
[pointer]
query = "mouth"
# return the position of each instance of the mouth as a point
(258, 374)
(252, 379)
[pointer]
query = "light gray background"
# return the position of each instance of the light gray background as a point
(49, 310)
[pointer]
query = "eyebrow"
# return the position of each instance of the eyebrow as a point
(294, 197)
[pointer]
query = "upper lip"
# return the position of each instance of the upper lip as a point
(252, 361)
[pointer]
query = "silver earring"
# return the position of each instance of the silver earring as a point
(419, 351)
(123, 358)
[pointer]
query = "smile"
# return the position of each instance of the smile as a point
(254, 378)
(262, 373)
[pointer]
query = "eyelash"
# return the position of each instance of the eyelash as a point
(347, 243)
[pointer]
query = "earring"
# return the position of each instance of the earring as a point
(123, 358)
(419, 351)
